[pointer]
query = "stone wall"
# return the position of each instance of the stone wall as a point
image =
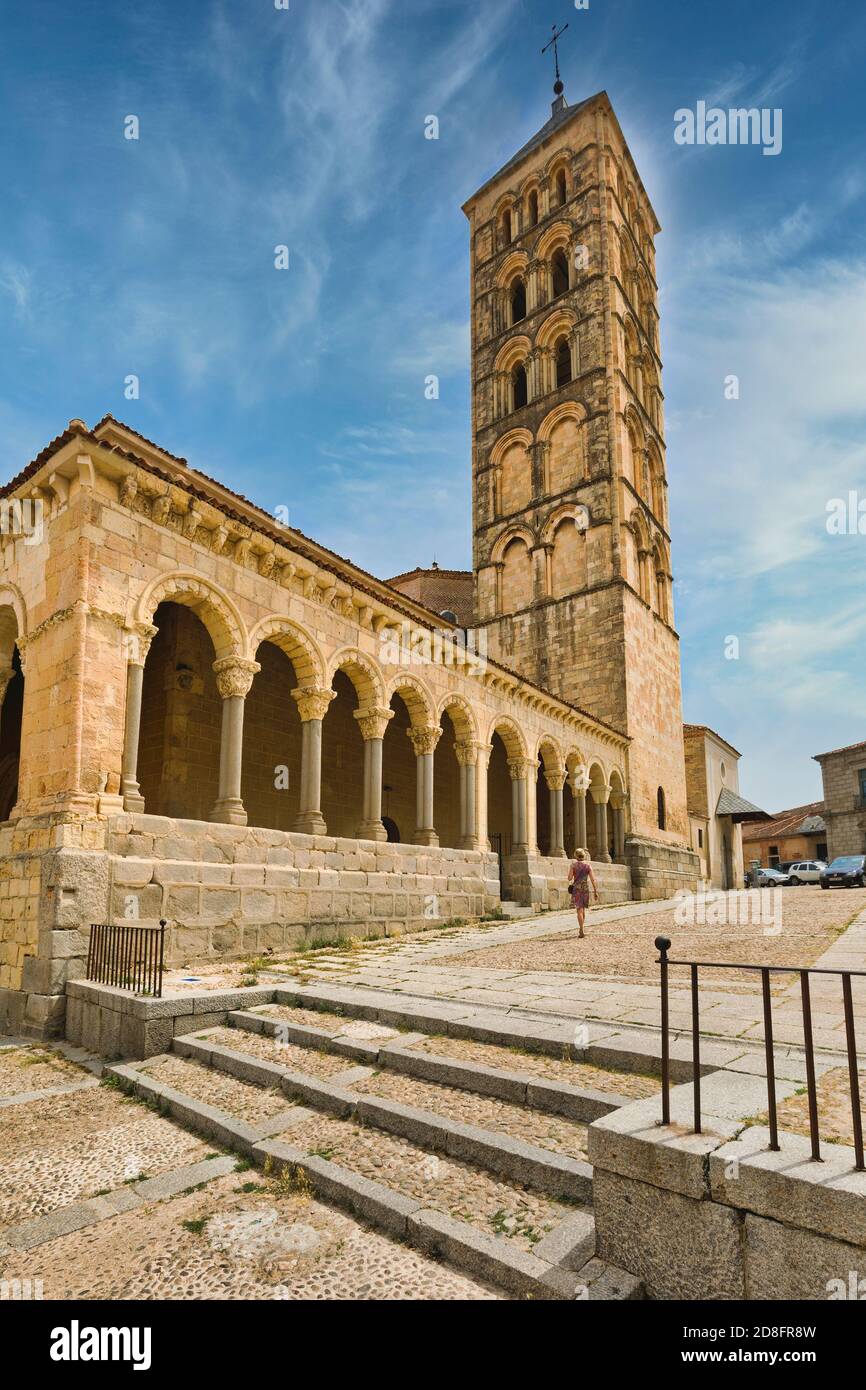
(716, 1215)
(543, 882)
(844, 801)
(231, 890)
(659, 871)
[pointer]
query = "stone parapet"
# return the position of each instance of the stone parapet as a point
(659, 870)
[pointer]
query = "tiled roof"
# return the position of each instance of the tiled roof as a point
(851, 748)
(265, 524)
(738, 808)
(789, 823)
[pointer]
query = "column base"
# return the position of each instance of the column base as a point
(557, 853)
(426, 837)
(310, 823)
(229, 811)
(468, 842)
(134, 803)
(372, 830)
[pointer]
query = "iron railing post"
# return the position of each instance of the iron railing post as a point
(810, 1066)
(663, 945)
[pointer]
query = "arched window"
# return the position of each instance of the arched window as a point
(559, 272)
(563, 362)
(518, 300)
(660, 799)
(561, 189)
(519, 386)
(505, 230)
(532, 208)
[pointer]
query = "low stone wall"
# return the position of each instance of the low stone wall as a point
(660, 871)
(543, 882)
(230, 890)
(717, 1215)
(116, 1023)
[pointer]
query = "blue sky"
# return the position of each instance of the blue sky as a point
(305, 388)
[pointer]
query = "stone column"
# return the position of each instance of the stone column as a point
(234, 677)
(484, 751)
(312, 705)
(618, 809)
(518, 769)
(424, 743)
(137, 645)
(600, 798)
(373, 722)
(468, 756)
(555, 783)
(579, 786)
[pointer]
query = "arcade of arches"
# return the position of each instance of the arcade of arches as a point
(247, 742)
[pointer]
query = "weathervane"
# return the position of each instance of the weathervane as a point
(554, 44)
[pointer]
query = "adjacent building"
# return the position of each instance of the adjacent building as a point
(717, 811)
(844, 774)
(789, 836)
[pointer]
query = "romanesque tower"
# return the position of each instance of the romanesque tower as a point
(571, 548)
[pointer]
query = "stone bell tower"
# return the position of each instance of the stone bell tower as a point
(571, 551)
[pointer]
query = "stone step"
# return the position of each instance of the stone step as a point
(528, 1242)
(582, 1091)
(510, 908)
(499, 1150)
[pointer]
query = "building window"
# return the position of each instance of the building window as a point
(533, 209)
(506, 233)
(861, 778)
(774, 856)
(561, 189)
(519, 387)
(518, 300)
(563, 362)
(660, 803)
(700, 839)
(559, 269)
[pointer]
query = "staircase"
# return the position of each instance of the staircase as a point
(445, 1144)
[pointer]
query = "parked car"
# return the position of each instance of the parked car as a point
(807, 871)
(772, 878)
(848, 871)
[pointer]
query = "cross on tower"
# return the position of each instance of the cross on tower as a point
(554, 44)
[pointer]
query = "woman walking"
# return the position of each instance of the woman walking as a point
(580, 876)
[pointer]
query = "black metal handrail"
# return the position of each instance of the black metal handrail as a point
(663, 945)
(128, 957)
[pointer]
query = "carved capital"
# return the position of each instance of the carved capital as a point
(373, 721)
(424, 741)
(234, 676)
(312, 702)
(136, 642)
(518, 768)
(467, 753)
(555, 780)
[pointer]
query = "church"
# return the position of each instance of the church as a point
(210, 718)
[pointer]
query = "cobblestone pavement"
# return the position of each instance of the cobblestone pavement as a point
(242, 1099)
(442, 1184)
(306, 1059)
(227, 1243)
(581, 1074)
(35, 1068)
(532, 1126)
(64, 1148)
(77, 1218)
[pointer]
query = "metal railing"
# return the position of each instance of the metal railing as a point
(128, 957)
(663, 945)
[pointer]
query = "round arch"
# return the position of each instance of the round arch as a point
(415, 696)
(210, 604)
(512, 738)
(364, 674)
(461, 714)
(297, 644)
(513, 354)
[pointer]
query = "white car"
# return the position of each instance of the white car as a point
(807, 871)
